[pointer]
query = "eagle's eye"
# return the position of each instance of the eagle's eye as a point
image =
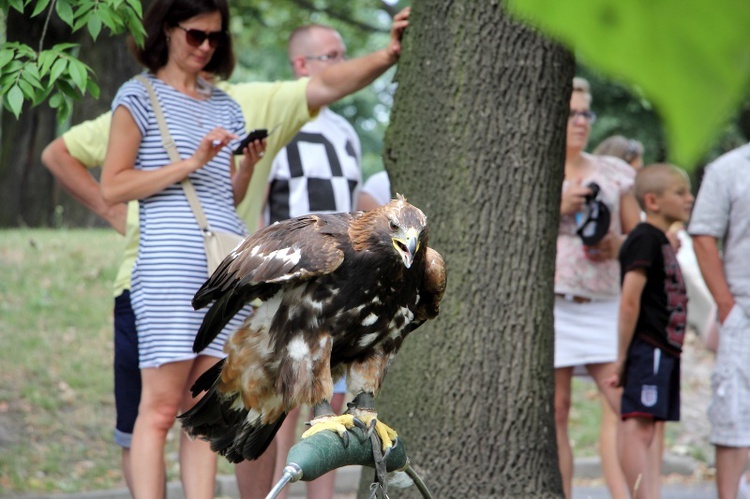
(394, 226)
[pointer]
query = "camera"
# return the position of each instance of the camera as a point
(594, 187)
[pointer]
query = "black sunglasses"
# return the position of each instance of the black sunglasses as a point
(196, 37)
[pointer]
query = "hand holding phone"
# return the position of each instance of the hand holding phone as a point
(259, 134)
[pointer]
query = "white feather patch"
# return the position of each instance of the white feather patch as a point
(369, 320)
(298, 349)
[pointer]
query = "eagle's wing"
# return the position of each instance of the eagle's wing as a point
(283, 253)
(431, 292)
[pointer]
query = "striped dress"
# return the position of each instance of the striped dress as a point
(171, 262)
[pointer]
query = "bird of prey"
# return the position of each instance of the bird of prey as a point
(339, 293)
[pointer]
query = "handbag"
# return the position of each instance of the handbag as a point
(217, 244)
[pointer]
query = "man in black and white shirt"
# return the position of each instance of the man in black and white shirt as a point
(319, 171)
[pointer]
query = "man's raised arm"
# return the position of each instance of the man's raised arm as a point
(340, 80)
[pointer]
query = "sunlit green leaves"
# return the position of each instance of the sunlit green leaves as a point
(28, 77)
(691, 59)
(57, 74)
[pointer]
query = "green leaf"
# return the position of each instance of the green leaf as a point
(28, 90)
(62, 47)
(64, 110)
(18, 5)
(14, 100)
(65, 11)
(93, 88)
(94, 26)
(57, 69)
(46, 58)
(31, 76)
(5, 57)
(690, 59)
(78, 73)
(108, 18)
(32, 70)
(136, 6)
(12, 67)
(55, 100)
(40, 6)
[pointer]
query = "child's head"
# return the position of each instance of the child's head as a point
(663, 191)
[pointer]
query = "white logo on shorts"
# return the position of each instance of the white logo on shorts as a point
(649, 395)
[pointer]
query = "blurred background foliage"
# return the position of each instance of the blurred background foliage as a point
(690, 58)
(622, 109)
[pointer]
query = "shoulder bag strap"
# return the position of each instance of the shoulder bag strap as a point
(171, 148)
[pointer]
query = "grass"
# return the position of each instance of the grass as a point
(56, 401)
(56, 389)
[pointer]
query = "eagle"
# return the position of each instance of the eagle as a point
(337, 294)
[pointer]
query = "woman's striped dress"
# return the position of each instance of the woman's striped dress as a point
(171, 263)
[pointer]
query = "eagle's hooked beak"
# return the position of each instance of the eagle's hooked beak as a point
(407, 244)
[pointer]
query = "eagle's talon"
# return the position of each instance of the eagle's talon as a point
(387, 452)
(384, 433)
(345, 439)
(360, 424)
(371, 427)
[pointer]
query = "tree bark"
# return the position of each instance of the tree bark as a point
(477, 141)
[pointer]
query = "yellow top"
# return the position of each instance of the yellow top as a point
(263, 104)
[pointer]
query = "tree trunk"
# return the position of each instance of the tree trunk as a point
(29, 195)
(477, 141)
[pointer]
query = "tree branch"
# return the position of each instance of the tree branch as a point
(391, 9)
(334, 14)
(46, 25)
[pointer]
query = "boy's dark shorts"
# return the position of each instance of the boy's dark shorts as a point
(652, 383)
(127, 373)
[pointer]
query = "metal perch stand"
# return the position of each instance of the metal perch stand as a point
(323, 452)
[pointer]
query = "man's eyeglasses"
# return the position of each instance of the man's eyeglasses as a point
(589, 116)
(332, 57)
(196, 37)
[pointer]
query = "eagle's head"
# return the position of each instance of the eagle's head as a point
(397, 225)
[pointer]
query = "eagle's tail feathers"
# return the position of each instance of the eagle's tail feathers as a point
(208, 379)
(237, 434)
(216, 318)
(213, 414)
(252, 441)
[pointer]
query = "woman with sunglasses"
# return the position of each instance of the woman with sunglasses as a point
(184, 39)
(587, 278)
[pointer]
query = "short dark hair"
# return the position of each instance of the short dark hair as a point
(169, 13)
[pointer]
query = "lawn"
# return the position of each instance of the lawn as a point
(56, 402)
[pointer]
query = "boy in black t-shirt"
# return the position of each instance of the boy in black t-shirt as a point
(651, 324)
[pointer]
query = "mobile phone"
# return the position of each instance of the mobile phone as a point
(258, 134)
